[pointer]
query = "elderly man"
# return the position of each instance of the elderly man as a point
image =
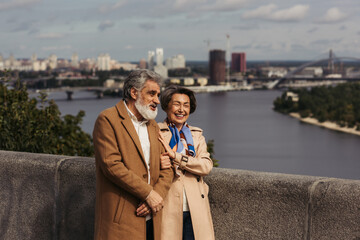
(130, 186)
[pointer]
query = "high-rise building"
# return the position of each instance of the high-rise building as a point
(1, 62)
(151, 55)
(159, 56)
(88, 64)
(217, 67)
(161, 70)
(238, 62)
(12, 60)
(75, 60)
(178, 61)
(33, 57)
(103, 62)
(142, 63)
(52, 61)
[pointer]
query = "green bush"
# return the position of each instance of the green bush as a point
(210, 149)
(29, 125)
(340, 104)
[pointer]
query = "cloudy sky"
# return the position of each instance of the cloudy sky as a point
(128, 29)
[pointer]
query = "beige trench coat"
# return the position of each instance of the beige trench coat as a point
(122, 176)
(196, 191)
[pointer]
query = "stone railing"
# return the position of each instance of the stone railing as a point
(52, 197)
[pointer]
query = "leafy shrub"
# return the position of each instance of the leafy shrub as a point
(29, 125)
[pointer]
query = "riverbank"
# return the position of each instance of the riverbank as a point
(326, 124)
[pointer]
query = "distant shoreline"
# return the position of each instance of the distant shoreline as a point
(326, 124)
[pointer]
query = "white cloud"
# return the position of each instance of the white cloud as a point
(186, 4)
(269, 12)
(195, 7)
(50, 36)
(106, 8)
(333, 15)
(15, 4)
(106, 24)
(260, 12)
(224, 5)
(295, 13)
(56, 48)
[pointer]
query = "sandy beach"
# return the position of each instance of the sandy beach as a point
(326, 124)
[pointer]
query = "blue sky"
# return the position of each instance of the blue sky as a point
(128, 29)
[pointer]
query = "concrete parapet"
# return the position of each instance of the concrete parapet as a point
(258, 205)
(53, 197)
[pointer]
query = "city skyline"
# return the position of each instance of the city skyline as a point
(127, 30)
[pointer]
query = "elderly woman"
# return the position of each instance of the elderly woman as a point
(186, 213)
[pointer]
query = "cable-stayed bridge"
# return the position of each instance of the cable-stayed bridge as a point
(332, 73)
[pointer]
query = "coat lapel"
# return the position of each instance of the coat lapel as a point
(129, 127)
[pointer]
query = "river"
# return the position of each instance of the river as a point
(249, 135)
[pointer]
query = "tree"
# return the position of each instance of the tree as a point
(29, 125)
(340, 104)
(210, 149)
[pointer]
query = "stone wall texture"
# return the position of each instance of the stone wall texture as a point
(53, 197)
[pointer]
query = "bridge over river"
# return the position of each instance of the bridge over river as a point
(331, 60)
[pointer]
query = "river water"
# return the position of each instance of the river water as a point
(249, 135)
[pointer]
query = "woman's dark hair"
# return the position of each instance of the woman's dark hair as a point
(167, 94)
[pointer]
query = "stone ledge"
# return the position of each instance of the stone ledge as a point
(46, 196)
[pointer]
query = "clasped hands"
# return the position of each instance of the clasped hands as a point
(153, 203)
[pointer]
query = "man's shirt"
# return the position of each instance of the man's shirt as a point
(141, 129)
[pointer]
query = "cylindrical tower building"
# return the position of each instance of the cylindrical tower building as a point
(217, 67)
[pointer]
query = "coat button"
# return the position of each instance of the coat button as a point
(145, 175)
(198, 179)
(202, 195)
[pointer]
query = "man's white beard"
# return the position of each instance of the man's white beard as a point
(145, 110)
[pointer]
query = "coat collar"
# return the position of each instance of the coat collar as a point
(164, 127)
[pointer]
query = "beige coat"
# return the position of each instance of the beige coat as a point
(196, 191)
(121, 176)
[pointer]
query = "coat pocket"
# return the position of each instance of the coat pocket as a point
(119, 210)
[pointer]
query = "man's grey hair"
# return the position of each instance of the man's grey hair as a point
(137, 79)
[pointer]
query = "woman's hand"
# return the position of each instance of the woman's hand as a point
(165, 162)
(166, 146)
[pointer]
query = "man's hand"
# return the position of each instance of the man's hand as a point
(165, 161)
(143, 210)
(155, 201)
(166, 146)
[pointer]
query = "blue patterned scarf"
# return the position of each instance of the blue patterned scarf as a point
(176, 136)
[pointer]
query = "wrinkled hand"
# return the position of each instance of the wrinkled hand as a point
(143, 210)
(165, 162)
(155, 201)
(166, 146)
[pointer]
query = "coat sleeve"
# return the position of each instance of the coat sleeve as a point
(166, 176)
(201, 164)
(110, 161)
(163, 184)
